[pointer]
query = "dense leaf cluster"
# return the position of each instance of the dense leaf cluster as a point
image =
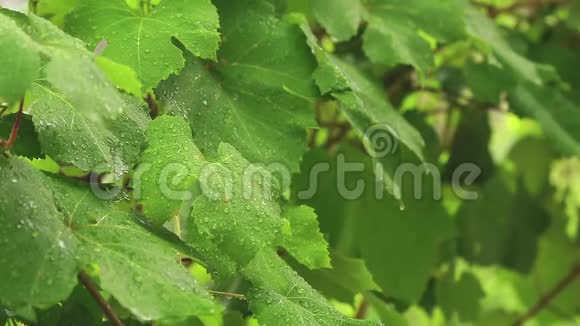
(158, 153)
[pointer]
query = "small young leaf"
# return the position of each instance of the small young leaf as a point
(306, 244)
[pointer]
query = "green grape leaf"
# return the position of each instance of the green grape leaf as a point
(392, 34)
(168, 168)
(306, 244)
(396, 242)
(238, 207)
(36, 251)
(556, 114)
(258, 99)
(502, 226)
(347, 278)
(61, 228)
(341, 18)
(440, 18)
(366, 108)
(70, 137)
(392, 239)
(392, 40)
(237, 212)
(20, 61)
(69, 68)
(479, 79)
(145, 42)
(483, 29)
(529, 92)
(460, 296)
(563, 59)
(137, 266)
(281, 296)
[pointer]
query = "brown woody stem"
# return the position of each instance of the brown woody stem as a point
(15, 127)
(545, 300)
(90, 286)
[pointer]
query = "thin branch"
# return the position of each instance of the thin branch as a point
(90, 286)
(153, 106)
(15, 128)
(337, 136)
(361, 312)
(229, 295)
(545, 300)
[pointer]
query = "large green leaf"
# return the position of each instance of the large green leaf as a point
(145, 43)
(137, 264)
(367, 109)
(70, 137)
(502, 226)
(483, 29)
(37, 249)
(396, 242)
(238, 206)
(281, 296)
(529, 90)
(58, 228)
(459, 296)
(237, 210)
(392, 239)
(392, 36)
(393, 29)
(257, 97)
(20, 61)
(557, 115)
(168, 168)
(68, 67)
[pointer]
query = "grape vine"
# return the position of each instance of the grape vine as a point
(289, 162)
